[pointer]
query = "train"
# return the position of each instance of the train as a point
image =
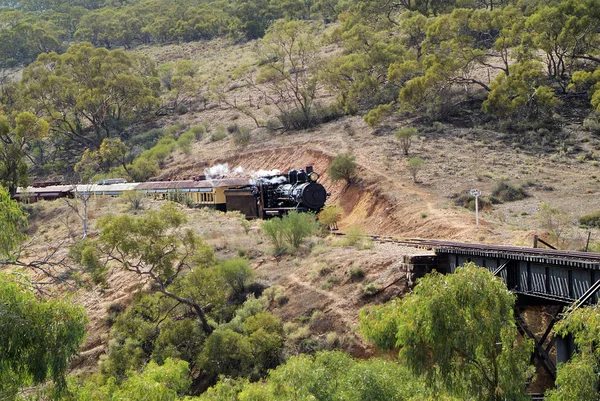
(276, 195)
(262, 197)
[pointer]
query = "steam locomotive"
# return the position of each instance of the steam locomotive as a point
(276, 195)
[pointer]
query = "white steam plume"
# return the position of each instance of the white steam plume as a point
(222, 171)
(217, 171)
(280, 179)
(266, 173)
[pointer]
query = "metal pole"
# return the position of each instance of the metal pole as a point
(476, 193)
(477, 212)
(587, 245)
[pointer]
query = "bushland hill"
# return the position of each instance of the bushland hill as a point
(422, 101)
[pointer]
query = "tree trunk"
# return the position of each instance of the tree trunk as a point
(208, 329)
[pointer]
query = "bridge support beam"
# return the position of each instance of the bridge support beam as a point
(541, 353)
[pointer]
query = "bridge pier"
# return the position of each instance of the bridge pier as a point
(545, 350)
(417, 266)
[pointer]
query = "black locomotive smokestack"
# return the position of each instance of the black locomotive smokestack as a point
(309, 169)
(293, 176)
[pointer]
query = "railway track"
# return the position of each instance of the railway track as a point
(432, 244)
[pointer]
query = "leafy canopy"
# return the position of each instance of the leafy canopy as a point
(156, 247)
(18, 133)
(91, 87)
(12, 220)
(577, 379)
(290, 230)
(328, 376)
(459, 331)
(37, 337)
(342, 166)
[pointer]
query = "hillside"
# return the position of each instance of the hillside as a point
(382, 200)
(492, 98)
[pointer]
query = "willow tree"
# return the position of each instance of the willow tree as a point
(458, 330)
(577, 379)
(37, 337)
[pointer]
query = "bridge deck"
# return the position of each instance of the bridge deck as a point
(551, 275)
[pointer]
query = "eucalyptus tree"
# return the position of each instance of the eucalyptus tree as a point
(13, 221)
(17, 135)
(157, 248)
(87, 93)
(290, 52)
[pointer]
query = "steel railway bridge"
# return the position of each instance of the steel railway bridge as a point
(561, 280)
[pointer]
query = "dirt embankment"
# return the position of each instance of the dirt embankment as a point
(373, 201)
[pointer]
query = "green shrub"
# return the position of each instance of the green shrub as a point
(113, 312)
(508, 193)
(357, 274)
(246, 225)
(226, 352)
(353, 235)
(134, 198)
(143, 169)
(342, 166)
(298, 226)
(178, 338)
(275, 294)
(219, 135)
(185, 141)
(323, 114)
(437, 126)
(378, 114)
(231, 128)
(329, 216)
(414, 165)
(161, 150)
(88, 256)
(296, 119)
(250, 347)
(291, 230)
(590, 220)
(236, 273)
(466, 200)
(175, 129)
(331, 282)
(147, 139)
(198, 131)
(273, 229)
(591, 124)
(371, 289)
(405, 136)
(241, 136)
(132, 329)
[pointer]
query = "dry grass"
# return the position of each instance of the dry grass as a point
(384, 200)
